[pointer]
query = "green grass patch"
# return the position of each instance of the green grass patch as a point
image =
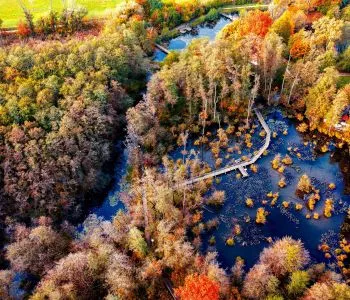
(11, 12)
(343, 81)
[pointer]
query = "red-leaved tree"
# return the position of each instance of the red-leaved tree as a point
(257, 22)
(198, 287)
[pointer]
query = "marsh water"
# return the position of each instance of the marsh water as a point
(321, 168)
(307, 159)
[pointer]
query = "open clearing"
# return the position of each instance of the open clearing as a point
(11, 12)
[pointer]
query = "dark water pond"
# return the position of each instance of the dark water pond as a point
(280, 221)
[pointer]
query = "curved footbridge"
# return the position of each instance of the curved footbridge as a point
(242, 165)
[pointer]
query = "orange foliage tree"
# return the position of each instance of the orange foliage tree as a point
(198, 287)
(257, 22)
(300, 46)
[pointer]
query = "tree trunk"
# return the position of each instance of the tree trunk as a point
(292, 87)
(284, 76)
(268, 96)
(145, 214)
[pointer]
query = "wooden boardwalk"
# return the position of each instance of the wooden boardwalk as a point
(242, 165)
(227, 16)
(161, 48)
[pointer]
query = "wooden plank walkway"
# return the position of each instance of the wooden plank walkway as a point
(243, 171)
(227, 16)
(240, 166)
(161, 48)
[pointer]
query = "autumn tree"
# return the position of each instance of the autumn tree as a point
(198, 287)
(327, 31)
(255, 21)
(121, 276)
(259, 282)
(284, 257)
(270, 61)
(332, 290)
(341, 101)
(29, 244)
(6, 278)
(320, 97)
(298, 283)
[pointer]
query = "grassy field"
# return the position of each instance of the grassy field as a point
(11, 13)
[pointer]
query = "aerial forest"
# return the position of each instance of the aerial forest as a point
(176, 149)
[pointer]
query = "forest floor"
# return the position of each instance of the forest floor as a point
(11, 12)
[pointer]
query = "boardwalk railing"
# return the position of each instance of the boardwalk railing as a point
(240, 165)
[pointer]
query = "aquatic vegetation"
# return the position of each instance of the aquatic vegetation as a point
(217, 198)
(276, 162)
(332, 186)
(223, 139)
(304, 185)
(230, 241)
(282, 183)
(212, 224)
(328, 208)
(254, 168)
(215, 149)
(261, 214)
(298, 206)
(249, 202)
(237, 229)
(281, 169)
(285, 204)
(287, 160)
(312, 200)
(218, 162)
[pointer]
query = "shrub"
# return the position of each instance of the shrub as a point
(304, 185)
(261, 216)
(230, 241)
(217, 198)
(282, 183)
(328, 208)
(249, 202)
(23, 30)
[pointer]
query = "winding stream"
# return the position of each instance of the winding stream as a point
(280, 221)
